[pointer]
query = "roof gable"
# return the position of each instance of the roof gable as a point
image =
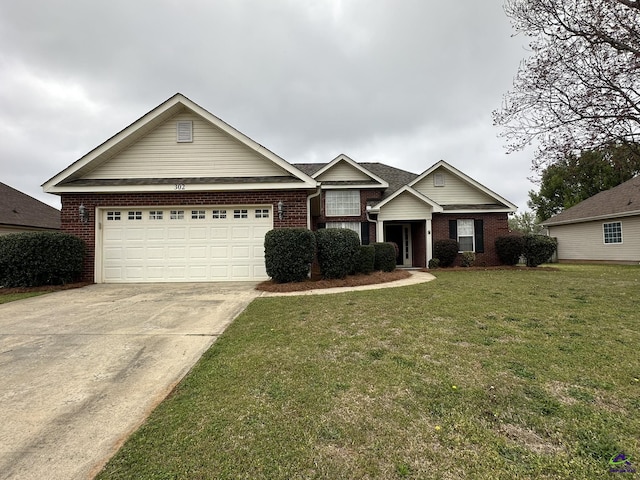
(343, 171)
(407, 190)
(223, 152)
(19, 209)
(622, 200)
(458, 191)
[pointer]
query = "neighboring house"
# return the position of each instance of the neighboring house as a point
(21, 213)
(179, 195)
(604, 228)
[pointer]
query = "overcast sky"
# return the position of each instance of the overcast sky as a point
(403, 82)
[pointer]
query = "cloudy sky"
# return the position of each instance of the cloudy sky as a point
(404, 82)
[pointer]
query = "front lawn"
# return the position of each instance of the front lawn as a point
(478, 374)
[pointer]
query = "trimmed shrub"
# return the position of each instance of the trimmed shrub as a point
(446, 251)
(33, 259)
(538, 249)
(365, 261)
(385, 256)
(509, 248)
(288, 253)
(434, 263)
(468, 259)
(337, 251)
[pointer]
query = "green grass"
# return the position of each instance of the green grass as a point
(12, 297)
(479, 374)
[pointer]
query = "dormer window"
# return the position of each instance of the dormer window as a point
(438, 179)
(184, 130)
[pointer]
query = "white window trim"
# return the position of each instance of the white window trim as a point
(355, 226)
(604, 237)
(332, 200)
(473, 234)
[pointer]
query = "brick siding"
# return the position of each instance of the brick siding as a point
(295, 210)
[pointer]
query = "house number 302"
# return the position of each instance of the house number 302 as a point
(179, 186)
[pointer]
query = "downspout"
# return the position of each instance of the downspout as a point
(309, 197)
(369, 219)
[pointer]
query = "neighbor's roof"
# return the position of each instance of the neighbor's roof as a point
(17, 208)
(620, 201)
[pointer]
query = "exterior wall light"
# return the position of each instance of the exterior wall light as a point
(83, 213)
(280, 210)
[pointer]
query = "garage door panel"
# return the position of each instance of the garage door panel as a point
(149, 247)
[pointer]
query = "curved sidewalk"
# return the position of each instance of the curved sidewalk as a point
(415, 278)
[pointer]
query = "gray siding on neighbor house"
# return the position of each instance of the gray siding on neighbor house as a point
(585, 241)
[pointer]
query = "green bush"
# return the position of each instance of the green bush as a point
(538, 249)
(33, 259)
(385, 256)
(434, 263)
(288, 253)
(337, 251)
(446, 251)
(468, 259)
(366, 259)
(509, 248)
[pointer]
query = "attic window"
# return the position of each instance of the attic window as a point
(185, 131)
(438, 180)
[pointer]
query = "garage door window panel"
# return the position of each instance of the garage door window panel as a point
(240, 214)
(198, 215)
(176, 215)
(219, 214)
(155, 215)
(113, 216)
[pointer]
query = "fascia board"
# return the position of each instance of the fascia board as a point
(464, 177)
(609, 216)
(344, 158)
(172, 188)
(437, 208)
(155, 113)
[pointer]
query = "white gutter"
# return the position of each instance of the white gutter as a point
(309, 197)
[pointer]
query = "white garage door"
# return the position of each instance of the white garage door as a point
(184, 244)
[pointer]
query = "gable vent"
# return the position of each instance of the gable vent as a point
(438, 180)
(185, 131)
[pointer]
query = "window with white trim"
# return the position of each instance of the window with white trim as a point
(113, 216)
(240, 214)
(612, 232)
(197, 215)
(217, 214)
(134, 215)
(465, 235)
(155, 215)
(176, 214)
(355, 226)
(342, 203)
(262, 213)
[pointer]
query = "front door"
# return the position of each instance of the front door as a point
(400, 234)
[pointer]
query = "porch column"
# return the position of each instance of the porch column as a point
(428, 237)
(379, 230)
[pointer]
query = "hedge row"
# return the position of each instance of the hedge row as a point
(536, 249)
(33, 259)
(289, 253)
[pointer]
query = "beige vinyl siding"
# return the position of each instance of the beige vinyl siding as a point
(454, 192)
(405, 207)
(585, 241)
(213, 153)
(342, 171)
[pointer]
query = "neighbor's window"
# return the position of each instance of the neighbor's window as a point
(465, 235)
(612, 232)
(342, 203)
(355, 226)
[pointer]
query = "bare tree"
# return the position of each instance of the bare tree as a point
(580, 88)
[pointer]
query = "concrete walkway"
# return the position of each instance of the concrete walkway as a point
(81, 369)
(415, 278)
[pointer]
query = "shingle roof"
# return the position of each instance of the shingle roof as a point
(395, 177)
(622, 200)
(17, 208)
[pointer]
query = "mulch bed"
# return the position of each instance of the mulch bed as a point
(317, 282)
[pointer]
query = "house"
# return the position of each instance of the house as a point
(604, 228)
(179, 195)
(21, 213)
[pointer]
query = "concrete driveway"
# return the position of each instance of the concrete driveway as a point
(81, 369)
